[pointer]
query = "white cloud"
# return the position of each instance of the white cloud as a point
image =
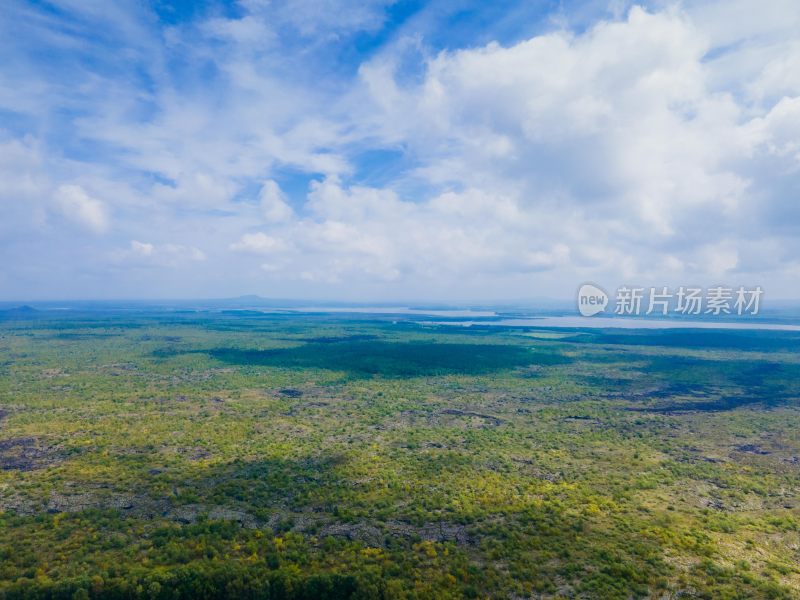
(779, 131)
(142, 248)
(81, 208)
(24, 187)
(158, 255)
(326, 18)
(624, 137)
(657, 144)
(273, 202)
(362, 234)
(258, 243)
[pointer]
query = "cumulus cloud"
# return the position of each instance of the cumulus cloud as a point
(357, 233)
(142, 248)
(619, 116)
(258, 243)
(78, 206)
(778, 133)
(162, 255)
(273, 202)
(625, 133)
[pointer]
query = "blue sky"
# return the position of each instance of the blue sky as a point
(445, 150)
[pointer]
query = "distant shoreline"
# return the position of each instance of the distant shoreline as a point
(622, 323)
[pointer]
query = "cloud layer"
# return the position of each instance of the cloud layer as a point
(247, 148)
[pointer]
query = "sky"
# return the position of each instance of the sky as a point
(450, 150)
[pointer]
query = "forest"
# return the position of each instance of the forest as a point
(184, 454)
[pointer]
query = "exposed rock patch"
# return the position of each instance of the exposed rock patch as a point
(28, 454)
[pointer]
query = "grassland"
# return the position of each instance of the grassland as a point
(198, 455)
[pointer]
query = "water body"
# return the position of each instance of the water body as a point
(622, 323)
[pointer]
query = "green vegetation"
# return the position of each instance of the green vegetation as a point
(193, 455)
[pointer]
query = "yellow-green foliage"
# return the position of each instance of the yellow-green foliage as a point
(221, 456)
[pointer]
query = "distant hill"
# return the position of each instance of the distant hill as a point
(19, 312)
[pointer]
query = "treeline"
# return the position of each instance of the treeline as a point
(203, 582)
